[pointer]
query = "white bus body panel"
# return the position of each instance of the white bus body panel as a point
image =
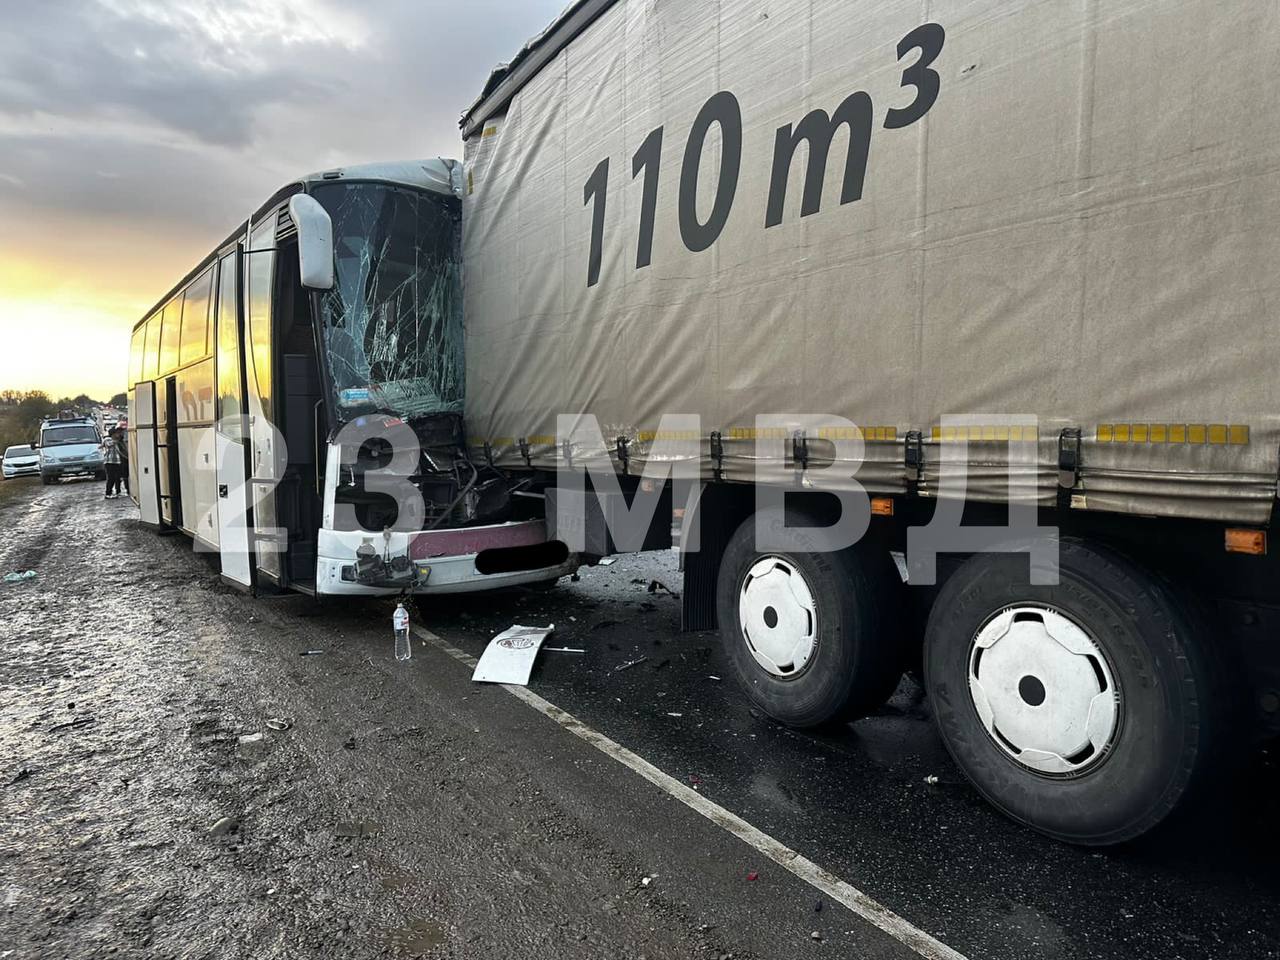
(233, 502)
(148, 492)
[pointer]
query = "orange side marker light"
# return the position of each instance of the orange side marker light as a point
(1241, 540)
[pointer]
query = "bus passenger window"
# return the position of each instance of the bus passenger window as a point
(195, 319)
(137, 350)
(149, 367)
(170, 335)
(230, 405)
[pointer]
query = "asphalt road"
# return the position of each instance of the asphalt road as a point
(406, 811)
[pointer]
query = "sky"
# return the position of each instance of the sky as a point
(136, 134)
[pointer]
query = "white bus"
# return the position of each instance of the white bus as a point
(295, 402)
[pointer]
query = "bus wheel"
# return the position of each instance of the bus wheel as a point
(1083, 710)
(812, 637)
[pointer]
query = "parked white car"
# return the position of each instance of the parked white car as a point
(20, 460)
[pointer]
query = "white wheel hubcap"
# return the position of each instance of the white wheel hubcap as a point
(1043, 690)
(779, 617)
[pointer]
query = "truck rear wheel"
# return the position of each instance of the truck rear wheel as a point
(812, 636)
(1083, 710)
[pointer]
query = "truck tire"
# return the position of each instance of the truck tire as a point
(1084, 710)
(812, 637)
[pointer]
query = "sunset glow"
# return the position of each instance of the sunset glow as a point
(131, 146)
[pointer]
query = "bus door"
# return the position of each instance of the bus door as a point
(143, 426)
(167, 464)
(266, 458)
(230, 442)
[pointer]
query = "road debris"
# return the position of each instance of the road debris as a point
(509, 656)
(629, 664)
(278, 724)
(73, 724)
(311, 653)
(712, 676)
(355, 829)
(19, 576)
(563, 650)
(656, 585)
(815, 935)
(931, 780)
(605, 561)
(753, 875)
(252, 746)
(22, 774)
(224, 826)
(676, 715)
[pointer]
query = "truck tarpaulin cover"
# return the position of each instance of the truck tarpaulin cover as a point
(892, 212)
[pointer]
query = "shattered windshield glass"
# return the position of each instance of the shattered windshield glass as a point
(393, 320)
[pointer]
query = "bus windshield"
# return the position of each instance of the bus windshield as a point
(393, 321)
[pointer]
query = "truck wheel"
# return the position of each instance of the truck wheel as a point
(1083, 710)
(812, 636)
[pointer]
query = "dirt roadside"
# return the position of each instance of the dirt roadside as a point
(402, 812)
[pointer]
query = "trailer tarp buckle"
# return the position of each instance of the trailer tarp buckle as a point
(1068, 457)
(800, 449)
(913, 453)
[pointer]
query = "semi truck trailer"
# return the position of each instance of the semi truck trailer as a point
(993, 281)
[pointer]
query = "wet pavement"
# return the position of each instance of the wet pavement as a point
(403, 811)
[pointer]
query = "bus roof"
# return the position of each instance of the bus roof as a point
(437, 174)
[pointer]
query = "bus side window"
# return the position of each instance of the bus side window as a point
(170, 336)
(150, 367)
(230, 402)
(195, 319)
(137, 350)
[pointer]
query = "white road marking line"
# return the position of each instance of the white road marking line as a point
(838, 890)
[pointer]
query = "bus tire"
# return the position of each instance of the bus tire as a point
(812, 637)
(1084, 710)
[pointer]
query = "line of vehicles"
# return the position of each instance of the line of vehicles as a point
(1026, 298)
(66, 446)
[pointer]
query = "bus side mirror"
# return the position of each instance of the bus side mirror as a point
(315, 242)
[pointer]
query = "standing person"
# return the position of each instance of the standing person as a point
(111, 460)
(122, 444)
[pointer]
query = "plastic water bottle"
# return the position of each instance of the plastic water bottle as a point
(400, 622)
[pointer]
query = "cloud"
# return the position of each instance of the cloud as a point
(200, 68)
(135, 134)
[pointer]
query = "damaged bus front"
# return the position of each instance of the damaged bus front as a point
(331, 324)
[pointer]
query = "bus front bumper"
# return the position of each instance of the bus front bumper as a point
(441, 561)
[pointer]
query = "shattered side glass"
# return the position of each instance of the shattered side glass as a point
(393, 321)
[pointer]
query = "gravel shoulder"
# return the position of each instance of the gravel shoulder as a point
(403, 812)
